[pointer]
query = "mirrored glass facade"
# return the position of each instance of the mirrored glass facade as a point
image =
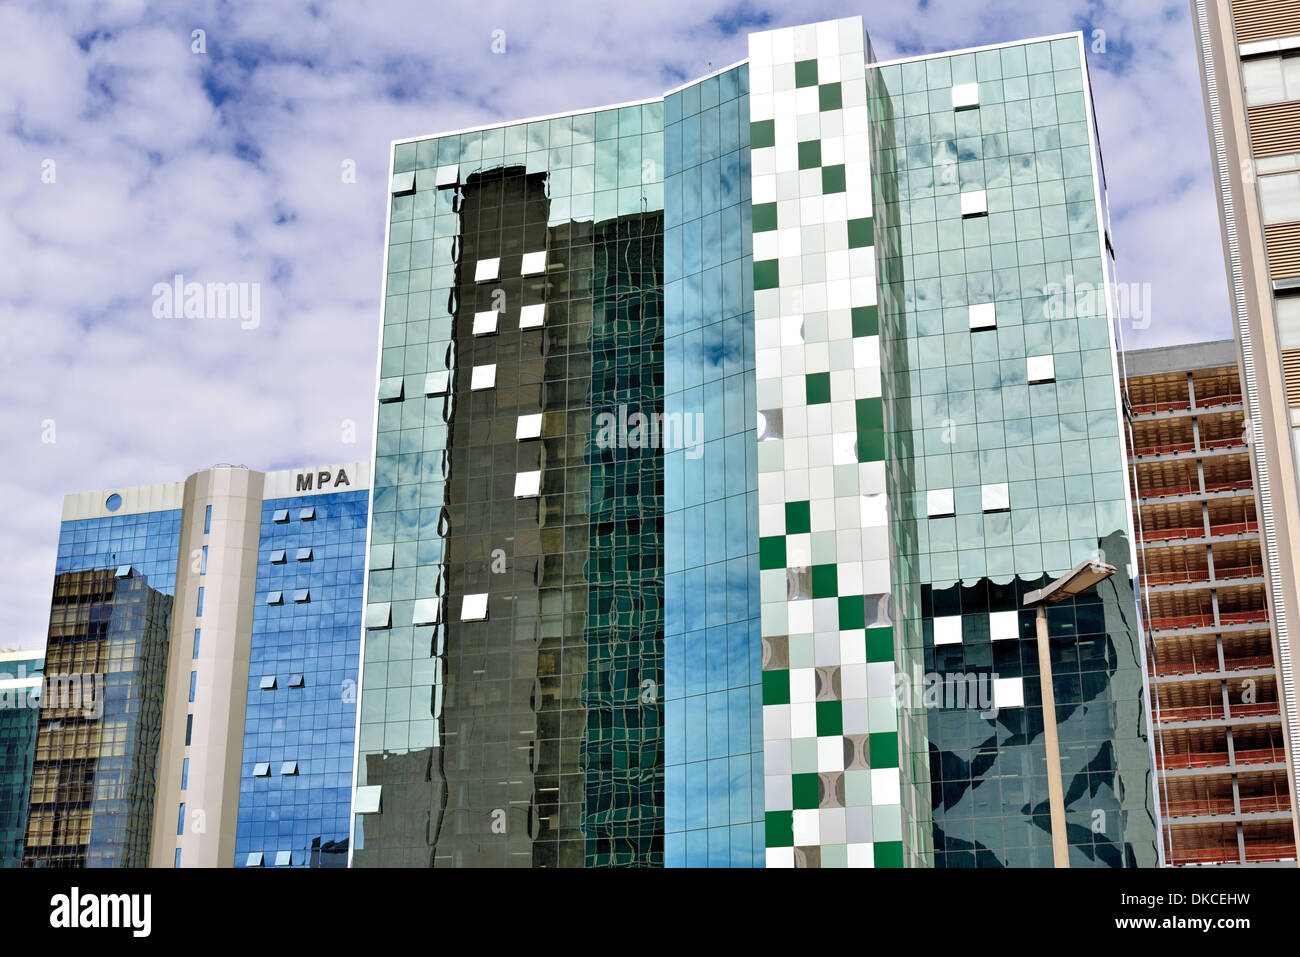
(1002, 398)
(92, 797)
(20, 676)
(511, 709)
(712, 669)
(708, 427)
(301, 712)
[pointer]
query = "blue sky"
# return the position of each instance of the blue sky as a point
(225, 166)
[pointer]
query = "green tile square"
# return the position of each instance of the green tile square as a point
(804, 789)
(810, 155)
(776, 687)
(767, 274)
(817, 385)
(798, 518)
(880, 646)
(887, 853)
(871, 413)
(762, 133)
(805, 73)
(764, 217)
(862, 232)
(832, 179)
(830, 721)
(853, 613)
(825, 581)
(778, 829)
(771, 552)
(871, 445)
(883, 749)
(866, 321)
(828, 97)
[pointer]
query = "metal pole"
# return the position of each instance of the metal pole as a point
(1055, 789)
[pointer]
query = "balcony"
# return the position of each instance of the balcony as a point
(1210, 666)
(1248, 527)
(1219, 759)
(1255, 854)
(1219, 806)
(1227, 619)
(1215, 712)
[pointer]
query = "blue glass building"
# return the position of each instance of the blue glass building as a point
(296, 773)
(20, 677)
(713, 788)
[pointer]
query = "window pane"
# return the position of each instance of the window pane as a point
(1280, 197)
(1288, 322)
(1263, 79)
(1291, 77)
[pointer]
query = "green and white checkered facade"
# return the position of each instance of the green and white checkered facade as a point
(829, 713)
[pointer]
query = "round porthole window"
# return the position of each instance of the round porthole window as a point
(113, 503)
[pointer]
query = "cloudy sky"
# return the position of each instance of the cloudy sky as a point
(226, 165)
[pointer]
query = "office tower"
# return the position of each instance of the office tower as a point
(200, 632)
(701, 421)
(1223, 787)
(20, 695)
(1250, 75)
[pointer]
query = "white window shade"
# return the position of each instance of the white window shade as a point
(473, 607)
(483, 377)
(533, 264)
(984, 316)
(1008, 693)
(1040, 368)
(939, 503)
(485, 323)
(965, 96)
(529, 426)
(532, 317)
(528, 484)
(1004, 625)
(487, 269)
(369, 799)
(995, 497)
(974, 202)
(947, 630)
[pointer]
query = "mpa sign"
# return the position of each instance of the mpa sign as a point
(324, 479)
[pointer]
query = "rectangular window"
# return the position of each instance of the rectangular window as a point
(207, 520)
(1279, 195)
(189, 729)
(199, 611)
(185, 774)
(1271, 80)
(1288, 322)
(194, 677)
(196, 643)
(203, 567)
(180, 820)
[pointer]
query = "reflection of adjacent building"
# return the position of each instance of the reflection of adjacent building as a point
(1220, 743)
(514, 732)
(92, 797)
(20, 687)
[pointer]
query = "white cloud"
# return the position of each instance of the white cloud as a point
(226, 167)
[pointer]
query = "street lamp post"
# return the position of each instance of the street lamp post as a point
(1074, 582)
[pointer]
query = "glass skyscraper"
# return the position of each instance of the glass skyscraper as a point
(201, 631)
(714, 432)
(20, 689)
